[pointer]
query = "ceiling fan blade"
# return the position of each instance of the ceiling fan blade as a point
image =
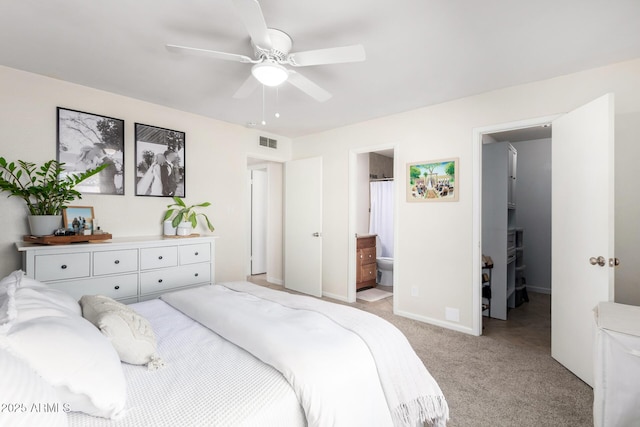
(308, 87)
(335, 55)
(209, 53)
(247, 88)
(253, 19)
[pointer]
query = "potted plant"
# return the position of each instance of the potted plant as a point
(185, 218)
(42, 189)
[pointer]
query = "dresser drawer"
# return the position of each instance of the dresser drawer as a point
(166, 256)
(114, 262)
(62, 266)
(191, 254)
(368, 272)
(196, 273)
(366, 242)
(166, 279)
(367, 255)
(116, 287)
(159, 280)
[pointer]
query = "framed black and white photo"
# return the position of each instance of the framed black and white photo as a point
(160, 162)
(86, 141)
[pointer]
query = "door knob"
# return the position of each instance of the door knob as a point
(316, 234)
(614, 262)
(600, 261)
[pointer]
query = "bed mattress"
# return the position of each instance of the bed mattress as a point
(206, 381)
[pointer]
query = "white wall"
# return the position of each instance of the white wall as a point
(275, 254)
(533, 210)
(216, 156)
(363, 197)
(434, 253)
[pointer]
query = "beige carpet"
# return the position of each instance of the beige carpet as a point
(504, 378)
(373, 294)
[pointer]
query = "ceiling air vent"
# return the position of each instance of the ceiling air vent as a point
(268, 142)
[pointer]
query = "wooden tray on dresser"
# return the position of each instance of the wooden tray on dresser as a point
(65, 240)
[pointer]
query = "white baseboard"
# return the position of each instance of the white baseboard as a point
(275, 281)
(335, 296)
(436, 322)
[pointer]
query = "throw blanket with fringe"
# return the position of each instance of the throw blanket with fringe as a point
(328, 367)
(412, 395)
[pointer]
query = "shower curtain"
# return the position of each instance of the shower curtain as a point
(381, 217)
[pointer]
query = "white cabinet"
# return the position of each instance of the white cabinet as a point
(499, 237)
(512, 168)
(127, 269)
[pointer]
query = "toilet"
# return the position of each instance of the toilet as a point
(385, 269)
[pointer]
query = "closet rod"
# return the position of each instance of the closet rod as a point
(381, 179)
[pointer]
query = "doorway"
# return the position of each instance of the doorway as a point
(508, 130)
(583, 142)
(516, 229)
(373, 166)
(264, 200)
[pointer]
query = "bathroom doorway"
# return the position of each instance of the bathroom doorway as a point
(372, 225)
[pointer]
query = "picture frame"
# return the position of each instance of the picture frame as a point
(160, 161)
(433, 181)
(71, 212)
(87, 140)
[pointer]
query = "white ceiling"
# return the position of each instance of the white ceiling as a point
(419, 52)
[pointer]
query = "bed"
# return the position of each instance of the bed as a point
(233, 354)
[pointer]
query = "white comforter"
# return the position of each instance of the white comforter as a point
(347, 367)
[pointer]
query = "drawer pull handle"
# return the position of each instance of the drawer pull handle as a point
(196, 274)
(159, 280)
(116, 287)
(117, 261)
(196, 254)
(63, 266)
(160, 257)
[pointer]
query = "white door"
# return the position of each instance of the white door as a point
(303, 226)
(582, 228)
(258, 221)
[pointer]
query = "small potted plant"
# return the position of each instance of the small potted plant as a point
(42, 189)
(184, 218)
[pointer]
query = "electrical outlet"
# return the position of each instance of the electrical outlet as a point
(452, 314)
(414, 291)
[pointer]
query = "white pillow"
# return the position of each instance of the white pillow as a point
(27, 399)
(8, 310)
(65, 349)
(130, 334)
(34, 296)
(56, 296)
(76, 359)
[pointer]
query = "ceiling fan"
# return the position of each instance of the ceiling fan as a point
(272, 51)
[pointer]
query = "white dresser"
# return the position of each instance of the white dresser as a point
(127, 269)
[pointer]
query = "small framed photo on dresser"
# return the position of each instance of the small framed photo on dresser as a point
(83, 214)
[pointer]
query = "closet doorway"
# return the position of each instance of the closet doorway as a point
(583, 142)
(372, 211)
(516, 217)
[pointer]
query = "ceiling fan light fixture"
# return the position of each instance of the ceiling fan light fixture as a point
(270, 73)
